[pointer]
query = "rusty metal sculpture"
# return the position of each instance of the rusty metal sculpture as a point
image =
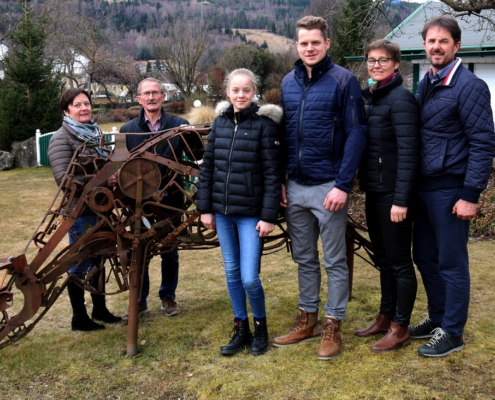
(134, 225)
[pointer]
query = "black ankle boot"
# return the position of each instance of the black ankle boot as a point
(241, 339)
(100, 311)
(259, 344)
(80, 318)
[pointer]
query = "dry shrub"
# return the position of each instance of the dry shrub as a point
(116, 115)
(484, 223)
(200, 114)
(272, 96)
(176, 107)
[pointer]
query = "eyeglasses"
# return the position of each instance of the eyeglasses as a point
(148, 94)
(381, 61)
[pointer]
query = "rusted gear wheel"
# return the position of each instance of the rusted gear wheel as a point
(139, 169)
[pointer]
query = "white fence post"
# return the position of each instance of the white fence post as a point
(38, 153)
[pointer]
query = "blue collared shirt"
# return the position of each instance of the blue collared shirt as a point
(442, 73)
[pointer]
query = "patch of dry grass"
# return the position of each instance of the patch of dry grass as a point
(180, 355)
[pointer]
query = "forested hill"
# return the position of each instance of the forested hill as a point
(131, 25)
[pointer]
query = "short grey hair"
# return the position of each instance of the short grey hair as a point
(149, 80)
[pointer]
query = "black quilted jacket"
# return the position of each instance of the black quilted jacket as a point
(391, 157)
(240, 171)
(457, 138)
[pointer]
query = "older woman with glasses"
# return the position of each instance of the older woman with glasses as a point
(387, 176)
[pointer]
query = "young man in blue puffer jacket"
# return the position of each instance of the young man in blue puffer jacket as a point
(324, 139)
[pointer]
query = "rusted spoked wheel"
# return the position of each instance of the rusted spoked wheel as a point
(139, 169)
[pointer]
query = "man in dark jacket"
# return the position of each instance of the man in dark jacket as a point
(457, 147)
(153, 118)
(325, 135)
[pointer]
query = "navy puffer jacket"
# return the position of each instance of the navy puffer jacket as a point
(457, 136)
(240, 171)
(391, 157)
(325, 131)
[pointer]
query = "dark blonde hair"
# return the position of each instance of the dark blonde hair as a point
(311, 22)
(255, 80)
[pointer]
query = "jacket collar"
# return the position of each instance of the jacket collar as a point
(272, 111)
(142, 119)
(318, 70)
(448, 76)
(385, 89)
(227, 109)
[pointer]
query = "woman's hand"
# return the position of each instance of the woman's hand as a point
(264, 228)
(114, 179)
(208, 221)
(283, 196)
(398, 213)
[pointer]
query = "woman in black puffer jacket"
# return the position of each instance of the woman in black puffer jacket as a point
(387, 176)
(239, 195)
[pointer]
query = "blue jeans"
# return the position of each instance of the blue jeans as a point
(75, 233)
(170, 278)
(440, 252)
(241, 250)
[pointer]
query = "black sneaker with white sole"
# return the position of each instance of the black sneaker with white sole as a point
(441, 344)
(424, 330)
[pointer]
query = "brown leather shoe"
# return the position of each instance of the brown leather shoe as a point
(330, 339)
(170, 307)
(396, 337)
(380, 325)
(306, 327)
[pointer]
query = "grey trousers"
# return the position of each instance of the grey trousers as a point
(307, 220)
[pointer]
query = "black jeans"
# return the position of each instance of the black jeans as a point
(392, 249)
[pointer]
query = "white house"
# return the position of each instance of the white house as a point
(3, 52)
(477, 42)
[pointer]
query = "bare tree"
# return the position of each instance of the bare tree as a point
(120, 70)
(183, 54)
(79, 38)
(474, 6)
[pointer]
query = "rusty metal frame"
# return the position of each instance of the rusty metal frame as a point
(124, 240)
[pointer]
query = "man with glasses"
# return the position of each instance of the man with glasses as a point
(153, 118)
(457, 146)
(325, 136)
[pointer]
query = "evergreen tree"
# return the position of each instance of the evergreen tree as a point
(30, 91)
(353, 29)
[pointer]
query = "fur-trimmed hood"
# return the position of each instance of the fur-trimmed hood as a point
(272, 111)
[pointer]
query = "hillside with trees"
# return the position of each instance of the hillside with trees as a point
(108, 46)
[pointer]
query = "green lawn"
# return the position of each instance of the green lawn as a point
(180, 355)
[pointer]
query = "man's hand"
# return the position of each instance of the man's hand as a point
(208, 220)
(114, 179)
(465, 209)
(264, 228)
(283, 197)
(398, 213)
(335, 199)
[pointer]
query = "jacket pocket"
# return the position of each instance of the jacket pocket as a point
(439, 161)
(249, 183)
